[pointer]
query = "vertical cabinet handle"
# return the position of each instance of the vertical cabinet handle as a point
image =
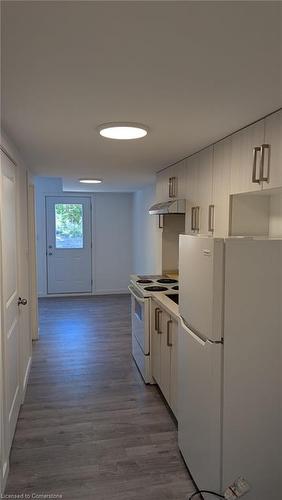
(172, 187)
(264, 148)
(161, 221)
(168, 343)
(211, 219)
(256, 179)
(159, 313)
(197, 219)
(192, 218)
(156, 319)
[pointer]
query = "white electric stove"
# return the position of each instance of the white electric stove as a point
(141, 289)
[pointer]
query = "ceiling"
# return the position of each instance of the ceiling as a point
(192, 72)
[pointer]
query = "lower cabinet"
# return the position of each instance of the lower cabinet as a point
(164, 353)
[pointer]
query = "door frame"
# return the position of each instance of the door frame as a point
(70, 194)
(4, 465)
(32, 263)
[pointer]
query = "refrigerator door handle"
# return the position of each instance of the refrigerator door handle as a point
(192, 334)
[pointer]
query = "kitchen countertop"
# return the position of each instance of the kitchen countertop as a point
(167, 304)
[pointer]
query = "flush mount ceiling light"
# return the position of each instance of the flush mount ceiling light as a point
(123, 131)
(90, 181)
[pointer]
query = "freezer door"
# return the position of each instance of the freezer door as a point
(199, 407)
(201, 281)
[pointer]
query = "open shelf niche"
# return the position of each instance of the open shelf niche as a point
(256, 214)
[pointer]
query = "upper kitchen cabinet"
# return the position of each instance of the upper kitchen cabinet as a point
(271, 170)
(245, 159)
(192, 208)
(162, 186)
(179, 172)
(205, 191)
(199, 192)
(219, 218)
(171, 182)
(256, 156)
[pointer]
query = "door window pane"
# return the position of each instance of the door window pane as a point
(69, 225)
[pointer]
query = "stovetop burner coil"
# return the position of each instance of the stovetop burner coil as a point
(167, 281)
(156, 288)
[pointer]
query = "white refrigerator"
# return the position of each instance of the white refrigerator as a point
(230, 363)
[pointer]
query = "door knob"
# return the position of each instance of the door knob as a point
(22, 302)
(50, 253)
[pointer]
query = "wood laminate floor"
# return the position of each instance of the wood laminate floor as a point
(90, 428)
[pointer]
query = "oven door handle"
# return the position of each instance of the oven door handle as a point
(137, 297)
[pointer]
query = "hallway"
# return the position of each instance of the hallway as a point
(89, 427)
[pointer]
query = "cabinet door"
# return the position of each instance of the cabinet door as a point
(173, 338)
(243, 144)
(162, 187)
(173, 181)
(165, 356)
(179, 172)
(163, 190)
(273, 137)
(221, 188)
(192, 170)
(204, 191)
(156, 333)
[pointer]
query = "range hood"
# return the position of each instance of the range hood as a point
(168, 207)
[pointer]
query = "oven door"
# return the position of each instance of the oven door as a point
(140, 317)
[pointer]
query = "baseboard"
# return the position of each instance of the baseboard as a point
(4, 477)
(26, 377)
(122, 291)
(97, 292)
(35, 335)
(51, 295)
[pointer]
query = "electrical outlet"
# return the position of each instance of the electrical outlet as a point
(237, 489)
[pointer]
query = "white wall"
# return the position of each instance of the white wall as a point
(112, 241)
(112, 236)
(43, 186)
(275, 216)
(174, 225)
(146, 234)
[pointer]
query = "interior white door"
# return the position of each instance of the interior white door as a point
(10, 296)
(68, 229)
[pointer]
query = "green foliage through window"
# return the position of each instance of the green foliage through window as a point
(69, 225)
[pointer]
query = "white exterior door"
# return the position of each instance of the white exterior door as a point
(10, 295)
(68, 222)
